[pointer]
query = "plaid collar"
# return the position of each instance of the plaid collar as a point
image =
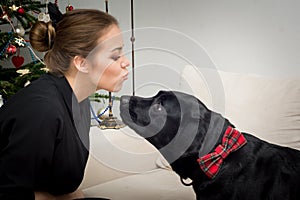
(231, 141)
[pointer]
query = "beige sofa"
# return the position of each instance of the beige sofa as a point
(123, 166)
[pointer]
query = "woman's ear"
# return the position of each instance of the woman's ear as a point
(81, 64)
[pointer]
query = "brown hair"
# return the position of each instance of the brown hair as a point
(76, 34)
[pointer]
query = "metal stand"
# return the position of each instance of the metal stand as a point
(111, 122)
(132, 39)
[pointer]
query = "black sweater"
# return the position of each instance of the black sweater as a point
(43, 140)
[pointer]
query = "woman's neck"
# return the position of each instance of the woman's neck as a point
(80, 85)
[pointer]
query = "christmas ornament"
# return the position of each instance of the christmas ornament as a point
(17, 61)
(27, 83)
(11, 49)
(20, 30)
(4, 16)
(1, 100)
(44, 17)
(69, 8)
(23, 71)
(20, 11)
(20, 41)
(13, 7)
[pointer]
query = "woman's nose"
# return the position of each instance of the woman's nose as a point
(125, 62)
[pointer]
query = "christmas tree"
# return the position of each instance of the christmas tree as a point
(16, 19)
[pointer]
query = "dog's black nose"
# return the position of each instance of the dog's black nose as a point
(125, 99)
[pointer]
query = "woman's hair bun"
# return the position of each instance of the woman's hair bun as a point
(42, 36)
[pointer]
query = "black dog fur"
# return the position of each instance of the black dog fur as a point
(257, 171)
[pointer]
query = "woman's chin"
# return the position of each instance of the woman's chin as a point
(118, 87)
(115, 89)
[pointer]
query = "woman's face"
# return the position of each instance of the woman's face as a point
(108, 69)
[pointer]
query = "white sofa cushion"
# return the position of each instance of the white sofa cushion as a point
(124, 166)
(266, 107)
(158, 184)
(117, 153)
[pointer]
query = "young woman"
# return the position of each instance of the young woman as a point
(44, 128)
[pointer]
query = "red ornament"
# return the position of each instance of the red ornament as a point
(4, 16)
(11, 49)
(20, 11)
(69, 8)
(17, 61)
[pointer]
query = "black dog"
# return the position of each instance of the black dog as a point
(184, 130)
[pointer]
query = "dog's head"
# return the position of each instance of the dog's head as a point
(175, 123)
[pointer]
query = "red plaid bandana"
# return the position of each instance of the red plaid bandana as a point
(232, 141)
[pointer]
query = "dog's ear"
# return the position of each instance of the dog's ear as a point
(195, 114)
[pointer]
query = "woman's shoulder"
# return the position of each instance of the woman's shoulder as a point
(47, 85)
(39, 96)
(40, 90)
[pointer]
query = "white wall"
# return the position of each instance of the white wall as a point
(249, 36)
(260, 36)
(252, 36)
(238, 34)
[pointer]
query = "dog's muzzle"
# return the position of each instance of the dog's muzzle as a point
(124, 108)
(125, 100)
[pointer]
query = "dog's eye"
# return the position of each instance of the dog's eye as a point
(157, 106)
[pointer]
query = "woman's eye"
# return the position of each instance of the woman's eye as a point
(115, 58)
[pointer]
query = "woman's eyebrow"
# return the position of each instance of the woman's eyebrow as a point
(117, 49)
